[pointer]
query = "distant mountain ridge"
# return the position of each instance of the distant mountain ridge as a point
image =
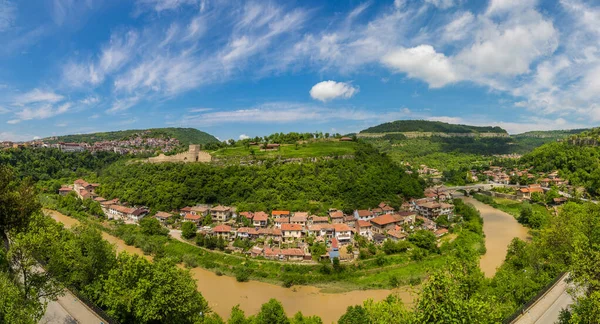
(427, 128)
(184, 135)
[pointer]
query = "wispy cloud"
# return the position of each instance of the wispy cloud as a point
(7, 14)
(36, 96)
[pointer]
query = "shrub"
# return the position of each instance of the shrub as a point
(189, 260)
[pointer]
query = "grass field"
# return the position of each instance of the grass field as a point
(305, 150)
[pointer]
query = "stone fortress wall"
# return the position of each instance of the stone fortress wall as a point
(194, 154)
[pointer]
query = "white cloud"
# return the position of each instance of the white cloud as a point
(7, 14)
(442, 4)
(459, 27)
(40, 112)
(286, 112)
(10, 136)
(329, 90)
(243, 137)
(36, 96)
(124, 104)
(90, 100)
(424, 63)
(197, 110)
(4, 110)
(506, 6)
(163, 5)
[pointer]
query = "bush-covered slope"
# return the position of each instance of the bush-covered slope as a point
(429, 126)
(184, 135)
(361, 182)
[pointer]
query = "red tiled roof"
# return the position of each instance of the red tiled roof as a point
(261, 216)
(248, 215)
(298, 218)
(441, 231)
(292, 252)
(122, 209)
(396, 234)
(364, 213)
(282, 220)
(386, 219)
(341, 227)
(249, 230)
(163, 215)
(362, 223)
(280, 212)
(65, 189)
(192, 217)
(186, 209)
(336, 214)
(222, 229)
(320, 219)
(221, 208)
(291, 227)
(334, 243)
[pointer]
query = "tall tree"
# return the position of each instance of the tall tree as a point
(17, 203)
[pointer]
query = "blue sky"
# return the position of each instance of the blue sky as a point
(247, 68)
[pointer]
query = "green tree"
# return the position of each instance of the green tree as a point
(271, 313)
(423, 239)
(188, 230)
(142, 292)
(237, 316)
(17, 203)
(152, 226)
(354, 315)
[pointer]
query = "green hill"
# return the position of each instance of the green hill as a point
(425, 126)
(526, 142)
(184, 135)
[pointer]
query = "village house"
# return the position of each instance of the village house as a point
(223, 231)
(63, 191)
(441, 232)
(294, 254)
(162, 216)
(349, 220)
(220, 213)
(337, 216)
(247, 214)
(386, 222)
(274, 234)
(247, 233)
(196, 219)
(99, 200)
(281, 213)
(525, 193)
(318, 220)
(363, 214)
(260, 219)
(138, 214)
(185, 210)
(334, 250)
(433, 210)
(364, 228)
(291, 232)
(428, 224)
(396, 235)
(342, 232)
(280, 221)
(299, 218)
(199, 210)
(377, 211)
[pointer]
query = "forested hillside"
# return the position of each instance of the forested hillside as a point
(430, 126)
(184, 135)
(50, 163)
(579, 164)
(361, 182)
(526, 142)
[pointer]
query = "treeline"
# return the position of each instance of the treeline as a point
(579, 164)
(361, 182)
(430, 126)
(50, 163)
(184, 135)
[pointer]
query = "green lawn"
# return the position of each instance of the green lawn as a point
(306, 150)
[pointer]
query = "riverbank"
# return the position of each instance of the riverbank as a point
(499, 228)
(224, 292)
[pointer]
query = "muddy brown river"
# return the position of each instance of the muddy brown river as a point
(499, 228)
(223, 292)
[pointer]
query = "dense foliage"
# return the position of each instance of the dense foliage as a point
(430, 126)
(184, 135)
(579, 164)
(361, 182)
(51, 165)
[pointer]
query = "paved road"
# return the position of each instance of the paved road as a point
(548, 307)
(68, 309)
